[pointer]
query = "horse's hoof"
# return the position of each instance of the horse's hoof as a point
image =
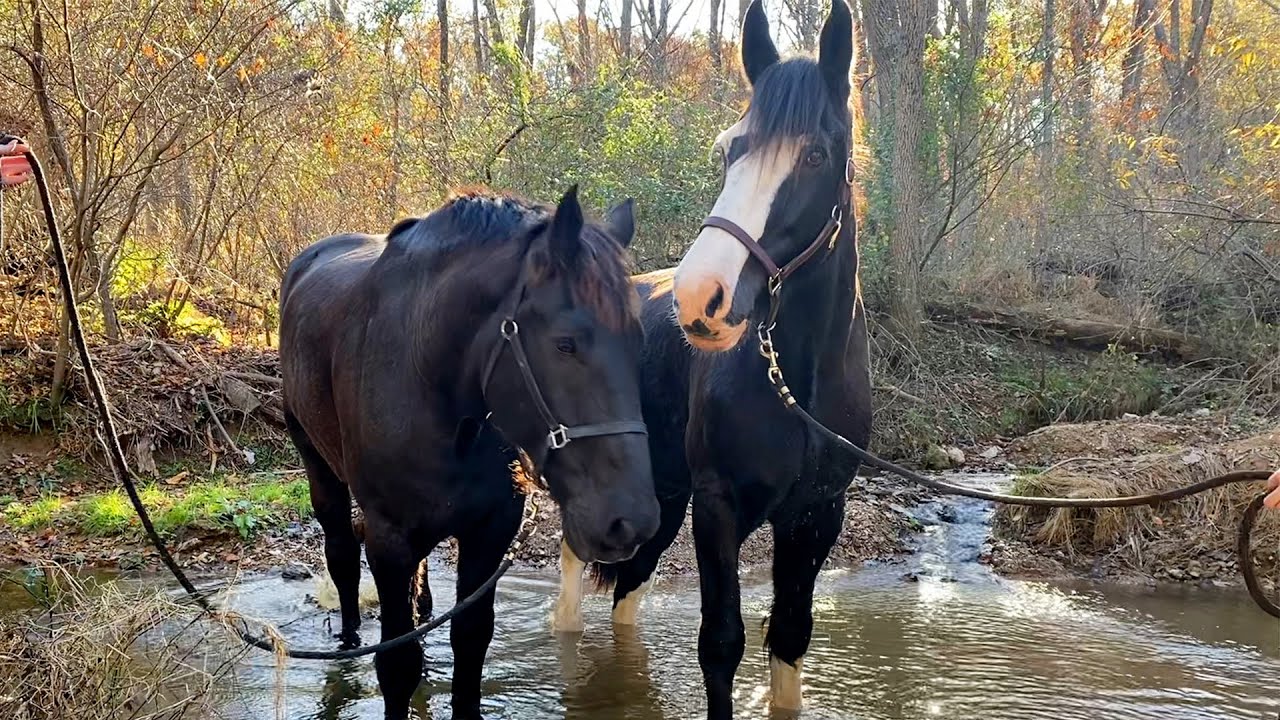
(348, 640)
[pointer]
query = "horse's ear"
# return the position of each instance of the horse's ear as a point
(758, 51)
(564, 237)
(835, 50)
(621, 221)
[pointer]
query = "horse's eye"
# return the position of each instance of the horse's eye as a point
(816, 157)
(566, 345)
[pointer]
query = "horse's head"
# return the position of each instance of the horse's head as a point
(577, 321)
(785, 164)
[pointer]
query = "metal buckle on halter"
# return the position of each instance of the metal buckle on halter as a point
(558, 437)
(838, 215)
(775, 284)
(509, 328)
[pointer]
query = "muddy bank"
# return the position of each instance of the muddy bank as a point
(1189, 541)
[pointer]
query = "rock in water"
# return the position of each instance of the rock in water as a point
(295, 571)
(935, 458)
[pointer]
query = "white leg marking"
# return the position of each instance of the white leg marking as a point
(567, 616)
(784, 684)
(624, 613)
(326, 593)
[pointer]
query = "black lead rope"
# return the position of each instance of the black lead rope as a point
(120, 468)
(774, 372)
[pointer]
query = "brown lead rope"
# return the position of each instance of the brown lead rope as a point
(120, 467)
(1246, 523)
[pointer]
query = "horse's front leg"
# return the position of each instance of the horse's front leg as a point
(479, 554)
(567, 615)
(393, 562)
(801, 542)
(721, 638)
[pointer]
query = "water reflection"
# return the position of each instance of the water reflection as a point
(938, 637)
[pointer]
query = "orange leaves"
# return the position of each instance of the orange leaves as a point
(201, 60)
(149, 51)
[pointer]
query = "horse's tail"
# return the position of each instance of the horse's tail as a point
(603, 576)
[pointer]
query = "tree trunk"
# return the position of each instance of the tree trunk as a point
(1086, 23)
(477, 40)
(1048, 49)
(1135, 59)
(624, 32)
(442, 18)
(713, 36)
(528, 25)
(495, 22)
(896, 38)
(1182, 74)
(584, 39)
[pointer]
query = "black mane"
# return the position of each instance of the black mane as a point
(791, 99)
(470, 219)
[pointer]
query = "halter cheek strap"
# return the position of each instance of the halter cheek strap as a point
(559, 434)
(829, 233)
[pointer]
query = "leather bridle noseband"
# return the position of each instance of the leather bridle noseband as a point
(558, 435)
(828, 235)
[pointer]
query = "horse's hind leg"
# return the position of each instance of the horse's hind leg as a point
(635, 576)
(331, 501)
(799, 550)
(422, 602)
(479, 554)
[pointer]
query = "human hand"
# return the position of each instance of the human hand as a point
(1273, 498)
(14, 168)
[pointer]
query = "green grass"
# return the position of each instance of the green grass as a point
(36, 515)
(1112, 384)
(106, 514)
(218, 505)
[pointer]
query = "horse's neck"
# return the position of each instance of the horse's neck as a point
(814, 320)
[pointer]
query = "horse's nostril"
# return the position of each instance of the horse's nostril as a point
(622, 534)
(716, 301)
(699, 328)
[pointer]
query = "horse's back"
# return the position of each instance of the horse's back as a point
(320, 302)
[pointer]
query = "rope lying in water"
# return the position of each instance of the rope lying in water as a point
(120, 468)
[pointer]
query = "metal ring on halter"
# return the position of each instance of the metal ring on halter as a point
(848, 170)
(558, 437)
(775, 284)
(509, 328)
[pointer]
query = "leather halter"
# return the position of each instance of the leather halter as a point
(559, 434)
(828, 234)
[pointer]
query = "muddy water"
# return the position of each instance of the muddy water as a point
(935, 637)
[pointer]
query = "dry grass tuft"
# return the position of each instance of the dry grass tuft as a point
(102, 652)
(1197, 533)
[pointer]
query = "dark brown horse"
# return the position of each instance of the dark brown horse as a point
(718, 430)
(416, 364)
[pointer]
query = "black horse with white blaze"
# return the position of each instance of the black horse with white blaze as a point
(782, 228)
(415, 363)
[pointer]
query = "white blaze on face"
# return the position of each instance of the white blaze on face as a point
(784, 684)
(713, 264)
(567, 616)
